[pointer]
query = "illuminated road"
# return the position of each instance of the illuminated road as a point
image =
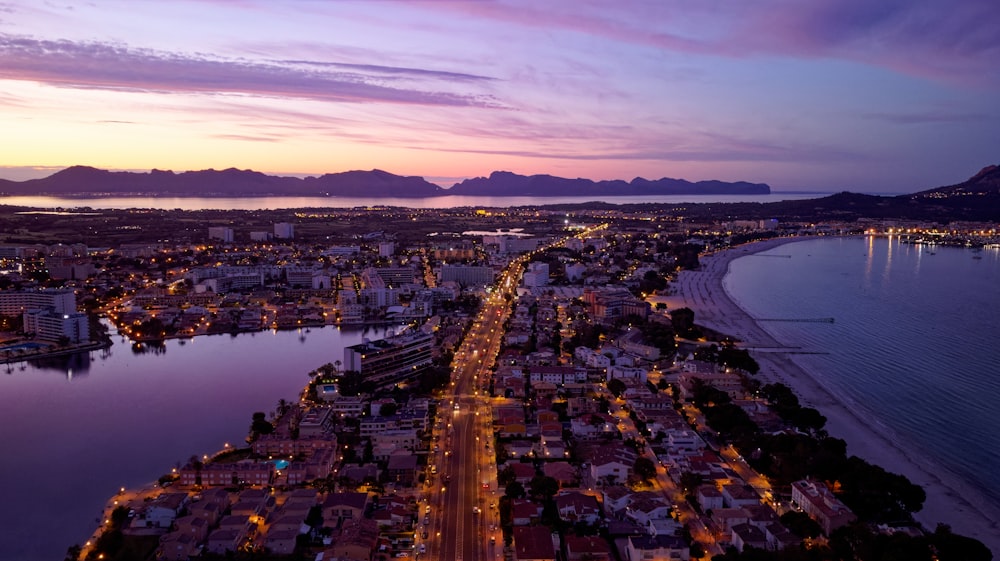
(464, 523)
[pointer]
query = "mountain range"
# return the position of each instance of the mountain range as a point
(89, 181)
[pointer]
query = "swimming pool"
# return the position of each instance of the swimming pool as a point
(29, 346)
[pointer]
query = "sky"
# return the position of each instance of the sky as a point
(890, 96)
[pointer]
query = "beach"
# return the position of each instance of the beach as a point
(949, 500)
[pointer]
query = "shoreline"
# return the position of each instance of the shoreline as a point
(949, 501)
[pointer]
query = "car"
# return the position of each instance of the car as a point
(424, 535)
(427, 519)
(423, 548)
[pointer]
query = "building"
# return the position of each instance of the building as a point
(54, 326)
(816, 500)
(390, 360)
(284, 231)
(533, 543)
(467, 275)
(16, 302)
(386, 249)
(220, 233)
(536, 275)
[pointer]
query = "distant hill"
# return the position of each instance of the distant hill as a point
(89, 181)
(505, 183)
(977, 199)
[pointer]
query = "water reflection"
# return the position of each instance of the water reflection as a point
(153, 347)
(73, 365)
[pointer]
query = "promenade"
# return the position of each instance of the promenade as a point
(949, 500)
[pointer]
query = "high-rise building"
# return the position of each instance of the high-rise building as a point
(387, 361)
(284, 231)
(221, 233)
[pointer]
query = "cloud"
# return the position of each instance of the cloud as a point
(928, 117)
(109, 66)
(958, 42)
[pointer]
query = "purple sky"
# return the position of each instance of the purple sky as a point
(823, 95)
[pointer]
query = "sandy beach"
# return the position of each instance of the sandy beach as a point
(949, 501)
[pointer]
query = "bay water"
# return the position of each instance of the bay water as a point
(76, 429)
(913, 343)
(445, 201)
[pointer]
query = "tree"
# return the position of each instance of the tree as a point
(953, 547)
(543, 487)
(260, 425)
(514, 490)
(800, 524)
(644, 468)
(616, 387)
(682, 320)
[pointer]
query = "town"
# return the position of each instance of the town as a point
(542, 398)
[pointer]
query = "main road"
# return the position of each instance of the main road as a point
(461, 520)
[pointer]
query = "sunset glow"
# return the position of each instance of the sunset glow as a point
(825, 95)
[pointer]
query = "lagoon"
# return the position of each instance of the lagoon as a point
(75, 429)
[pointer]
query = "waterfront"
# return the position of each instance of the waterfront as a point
(454, 201)
(910, 351)
(76, 430)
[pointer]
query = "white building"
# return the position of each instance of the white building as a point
(52, 326)
(284, 231)
(221, 233)
(14, 302)
(536, 275)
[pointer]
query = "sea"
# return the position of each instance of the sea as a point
(912, 345)
(76, 429)
(452, 201)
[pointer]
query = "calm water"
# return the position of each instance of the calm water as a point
(913, 344)
(454, 201)
(73, 433)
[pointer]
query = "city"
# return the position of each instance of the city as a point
(547, 399)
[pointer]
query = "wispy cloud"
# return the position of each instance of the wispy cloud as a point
(936, 39)
(112, 66)
(928, 117)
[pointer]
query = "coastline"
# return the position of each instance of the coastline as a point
(949, 500)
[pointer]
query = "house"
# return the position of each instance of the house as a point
(616, 498)
(709, 498)
(739, 495)
(195, 526)
(344, 506)
(590, 548)
(402, 469)
(224, 539)
(280, 541)
(646, 506)
(747, 535)
(574, 506)
(523, 473)
(533, 543)
(177, 546)
(565, 473)
(656, 548)
(612, 463)
(525, 512)
(356, 541)
(162, 511)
